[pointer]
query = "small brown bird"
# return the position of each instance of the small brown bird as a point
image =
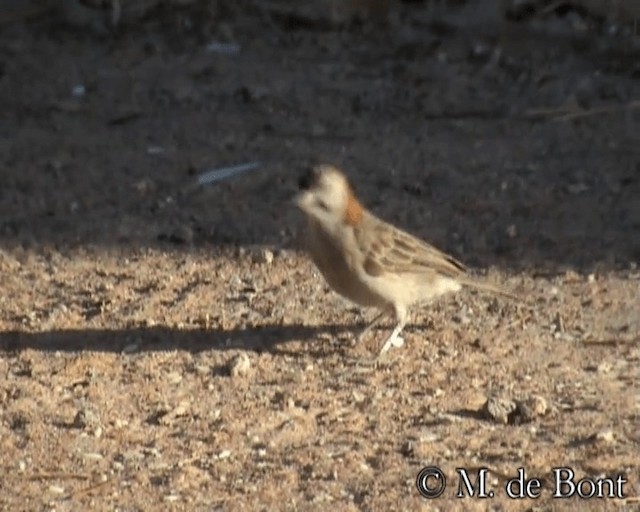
(369, 261)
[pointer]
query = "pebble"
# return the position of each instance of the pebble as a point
(120, 423)
(183, 234)
(78, 90)
(224, 454)
(93, 456)
(145, 187)
(318, 130)
(531, 408)
(239, 366)
(430, 437)
(262, 256)
(605, 437)
(499, 409)
(174, 377)
(131, 347)
(577, 188)
(407, 448)
(202, 369)
(358, 397)
(571, 276)
(180, 410)
(86, 418)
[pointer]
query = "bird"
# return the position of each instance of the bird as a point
(371, 262)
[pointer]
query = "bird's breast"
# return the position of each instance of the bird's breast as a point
(339, 262)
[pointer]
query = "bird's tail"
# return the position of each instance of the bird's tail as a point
(485, 286)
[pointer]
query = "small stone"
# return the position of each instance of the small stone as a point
(262, 256)
(531, 408)
(358, 397)
(430, 437)
(149, 322)
(605, 437)
(224, 454)
(202, 369)
(155, 150)
(557, 326)
(93, 456)
(183, 234)
(168, 418)
(120, 423)
(577, 188)
(78, 90)
(86, 418)
(571, 276)
(145, 187)
(130, 348)
(481, 50)
(407, 448)
(462, 318)
(499, 409)
(174, 377)
(239, 366)
(318, 130)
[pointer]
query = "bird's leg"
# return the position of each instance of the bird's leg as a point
(395, 340)
(371, 325)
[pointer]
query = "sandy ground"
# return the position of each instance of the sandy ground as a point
(169, 348)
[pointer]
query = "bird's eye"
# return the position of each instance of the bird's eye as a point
(322, 204)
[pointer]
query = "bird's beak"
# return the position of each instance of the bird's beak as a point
(299, 199)
(306, 180)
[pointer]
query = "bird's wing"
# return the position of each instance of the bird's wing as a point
(386, 249)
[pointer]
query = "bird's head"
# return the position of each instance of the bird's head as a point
(326, 196)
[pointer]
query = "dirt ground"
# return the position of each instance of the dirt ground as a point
(169, 348)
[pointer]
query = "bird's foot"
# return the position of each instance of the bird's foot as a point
(393, 341)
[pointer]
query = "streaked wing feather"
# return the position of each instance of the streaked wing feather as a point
(403, 253)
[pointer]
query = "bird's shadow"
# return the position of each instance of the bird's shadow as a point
(263, 338)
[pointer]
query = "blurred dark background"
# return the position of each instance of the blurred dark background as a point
(506, 132)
